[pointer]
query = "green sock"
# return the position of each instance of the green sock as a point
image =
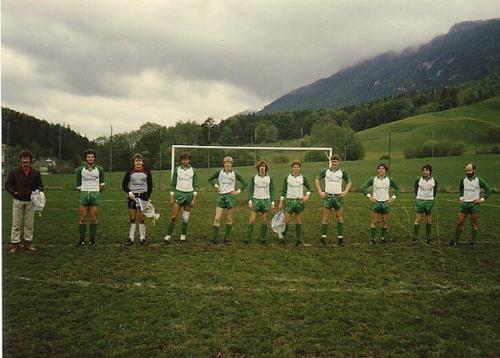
(428, 230)
(416, 228)
(458, 232)
(298, 232)
(82, 228)
(93, 231)
(372, 232)
(340, 229)
(324, 230)
(285, 232)
(227, 231)
(170, 228)
(249, 232)
(215, 233)
(184, 228)
(383, 231)
(263, 230)
(473, 235)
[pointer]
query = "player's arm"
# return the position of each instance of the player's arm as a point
(101, 177)
(271, 191)
(395, 186)
(10, 183)
(195, 182)
(308, 188)
(348, 183)
(415, 185)
(125, 182)
(173, 184)
(251, 189)
(284, 189)
(149, 180)
(461, 189)
(38, 181)
(485, 186)
(241, 180)
(435, 188)
(213, 180)
(364, 188)
(78, 185)
(317, 182)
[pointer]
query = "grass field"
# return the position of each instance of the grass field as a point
(196, 299)
(468, 124)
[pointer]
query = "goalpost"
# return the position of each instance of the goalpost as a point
(303, 149)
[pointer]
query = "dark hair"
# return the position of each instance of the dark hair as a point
(335, 157)
(25, 153)
(137, 156)
(261, 163)
(428, 167)
(185, 155)
(87, 152)
(296, 162)
(384, 166)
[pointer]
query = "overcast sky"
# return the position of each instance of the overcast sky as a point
(96, 64)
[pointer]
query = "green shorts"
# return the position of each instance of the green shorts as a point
(90, 198)
(261, 205)
(424, 206)
(469, 208)
(333, 201)
(380, 207)
(183, 198)
(226, 201)
(294, 206)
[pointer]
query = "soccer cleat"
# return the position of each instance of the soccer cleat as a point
(382, 240)
(80, 243)
(373, 242)
(28, 246)
(283, 242)
(428, 242)
(226, 242)
(472, 244)
(183, 238)
(298, 243)
(452, 243)
(92, 243)
(144, 242)
(323, 241)
(14, 247)
(246, 242)
(340, 241)
(263, 242)
(129, 243)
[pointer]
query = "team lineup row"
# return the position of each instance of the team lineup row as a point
(23, 182)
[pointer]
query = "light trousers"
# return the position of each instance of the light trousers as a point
(22, 210)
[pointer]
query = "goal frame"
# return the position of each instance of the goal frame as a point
(301, 149)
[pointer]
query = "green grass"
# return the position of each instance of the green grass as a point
(468, 124)
(200, 300)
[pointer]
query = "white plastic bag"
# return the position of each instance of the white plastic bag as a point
(278, 223)
(147, 209)
(38, 200)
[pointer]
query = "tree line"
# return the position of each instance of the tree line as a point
(334, 128)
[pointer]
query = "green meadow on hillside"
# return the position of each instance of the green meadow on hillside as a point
(467, 124)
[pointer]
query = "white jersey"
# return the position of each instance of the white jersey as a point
(472, 190)
(185, 179)
(89, 180)
(261, 187)
(295, 186)
(333, 180)
(425, 189)
(226, 181)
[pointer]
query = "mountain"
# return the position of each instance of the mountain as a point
(469, 51)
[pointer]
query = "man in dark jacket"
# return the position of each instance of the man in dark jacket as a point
(21, 182)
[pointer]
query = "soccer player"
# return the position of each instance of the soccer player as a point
(381, 200)
(224, 181)
(21, 182)
(293, 192)
(183, 192)
(470, 201)
(90, 183)
(426, 187)
(138, 184)
(332, 197)
(260, 200)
